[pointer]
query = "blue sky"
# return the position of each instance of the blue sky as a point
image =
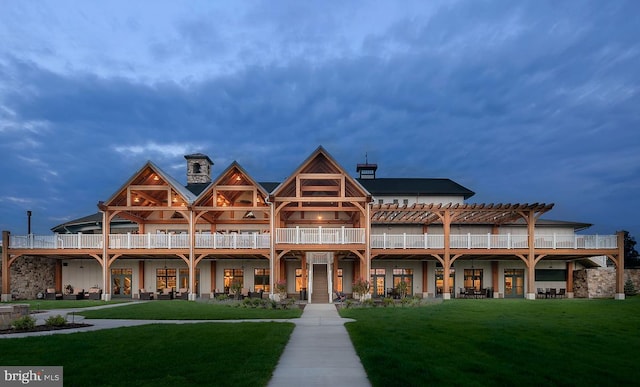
(521, 102)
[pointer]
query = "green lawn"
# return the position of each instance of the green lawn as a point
(185, 310)
(202, 354)
(500, 342)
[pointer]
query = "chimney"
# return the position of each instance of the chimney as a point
(198, 168)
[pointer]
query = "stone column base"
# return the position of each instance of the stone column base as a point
(7, 297)
(192, 296)
(617, 296)
(496, 294)
(530, 296)
(106, 296)
(570, 295)
(446, 296)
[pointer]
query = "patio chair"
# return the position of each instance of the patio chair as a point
(541, 293)
(165, 294)
(94, 294)
(51, 294)
(562, 293)
(552, 293)
(145, 295)
(182, 293)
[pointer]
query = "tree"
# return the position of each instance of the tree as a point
(631, 256)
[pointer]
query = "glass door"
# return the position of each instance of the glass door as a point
(121, 282)
(378, 282)
(513, 283)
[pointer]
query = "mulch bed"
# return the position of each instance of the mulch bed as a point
(43, 328)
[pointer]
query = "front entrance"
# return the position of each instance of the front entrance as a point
(320, 288)
(513, 283)
(121, 282)
(378, 282)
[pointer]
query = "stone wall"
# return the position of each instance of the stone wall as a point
(600, 282)
(30, 276)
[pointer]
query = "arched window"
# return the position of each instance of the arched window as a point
(196, 167)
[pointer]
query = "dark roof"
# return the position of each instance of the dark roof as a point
(414, 186)
(197, 188)
(95, 219)
(269, 186)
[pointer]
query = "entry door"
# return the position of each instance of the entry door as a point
(378, 282)
(513, 283)
(121, 282)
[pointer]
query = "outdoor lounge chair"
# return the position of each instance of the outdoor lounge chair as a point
(51, 294)
(165, 294)
(182, 293)
(94, 294)
(340, 297)
(76, 295)
(145, 295)
(561, 293)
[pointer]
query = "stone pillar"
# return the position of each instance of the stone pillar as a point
(6, 291)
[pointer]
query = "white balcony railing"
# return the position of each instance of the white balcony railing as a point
(320, 235)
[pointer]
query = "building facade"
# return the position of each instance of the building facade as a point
(317, 232)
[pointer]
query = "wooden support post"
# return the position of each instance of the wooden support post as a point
(425, 280)
(213, 277)
(141, 274)
(446, 259)
(495, 279)
(569, 279)
(531, 257)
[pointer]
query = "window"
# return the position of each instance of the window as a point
(261, 280)
(551, 275)
(473, 279)
(395, 201)
(440, 280)
(405, 275)
(166, 278)
(338, 285)
(380, 201)
(196, 167)
(233, 276)
(299, 284)
(405, 201)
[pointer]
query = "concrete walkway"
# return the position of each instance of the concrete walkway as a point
(319, 352)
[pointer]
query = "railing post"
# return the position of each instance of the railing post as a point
(468, 240)
(214, 239)
(297, 235)
(55, 244)
(426, 241)
(509, 240)
(169, 241)
(597, 244)
(31, 241)
(320, 235)
(384, 240)
(255, 240)
(343, 238)
(404, 240)
(575, 242)
(555, 241)
(148, 240)
(488, 240)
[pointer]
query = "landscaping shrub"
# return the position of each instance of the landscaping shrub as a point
(24, 323)
(56, 321)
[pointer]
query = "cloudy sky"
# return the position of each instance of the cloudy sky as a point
(519, 101)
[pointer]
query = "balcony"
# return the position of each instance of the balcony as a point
(320, 236)
(312, 236)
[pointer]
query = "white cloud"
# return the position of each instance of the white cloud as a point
(155, 150)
